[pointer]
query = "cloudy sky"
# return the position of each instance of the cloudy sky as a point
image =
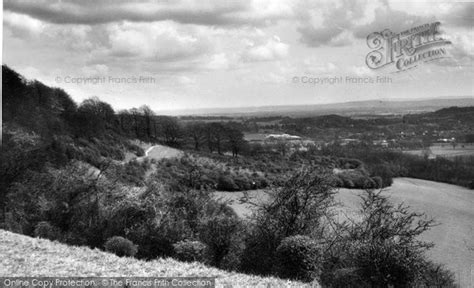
(234, 53)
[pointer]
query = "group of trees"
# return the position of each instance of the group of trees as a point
(51, 112)
(216, 137)
(293, 235)
(389, 164)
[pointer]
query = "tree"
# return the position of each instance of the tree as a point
(454, 143)
(136, 121)
(196, 131)
(282, 146)
(93, 117)
(148, 118)
(171, 130)
(298, 208)
(379, 249)
(469, 138)
(216, 138)
(235, 140)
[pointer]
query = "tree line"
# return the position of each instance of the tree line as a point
(51, 111)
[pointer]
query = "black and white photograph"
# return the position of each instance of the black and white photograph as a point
(237, 143)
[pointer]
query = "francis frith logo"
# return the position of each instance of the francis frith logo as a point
(407, 49)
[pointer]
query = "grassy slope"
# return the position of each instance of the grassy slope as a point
(26, 256)
(159, 152)
(452, 207)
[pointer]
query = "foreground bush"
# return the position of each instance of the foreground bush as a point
(120, 246)
(382, 249)
(298, 257)
(191, 251)
(435, 275)
(220, 233)
(298, 208)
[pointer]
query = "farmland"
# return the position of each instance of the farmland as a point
(445, 150)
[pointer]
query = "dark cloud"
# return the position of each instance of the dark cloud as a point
(462, 14)
(324, 23)
(98, 12)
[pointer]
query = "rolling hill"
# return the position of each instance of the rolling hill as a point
(388, 106)
(26, 256)
(450, 205)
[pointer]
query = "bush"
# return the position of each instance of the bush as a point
(220, 234)
(298, 257)
(225, 183)
(191, 251)
(120, 246)
(243, 183)
(297, 208)
(385, 173)
(378, 182)
(381, 249)
(44, 229)
(435, 275)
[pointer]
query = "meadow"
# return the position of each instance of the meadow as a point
(450, 205)
(445, 150)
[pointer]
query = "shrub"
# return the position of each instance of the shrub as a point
(369, 183)
(45, 230)
(297, 208)
(384, 172)
(435, 275)
(243, 183)
(346, 182)
(298, 257)
(378, 182)
(219, 233)
(120, 246)
(381, 249)
(191, 251)
(225, 183)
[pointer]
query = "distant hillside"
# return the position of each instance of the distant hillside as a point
(369, 107)
(26, 256)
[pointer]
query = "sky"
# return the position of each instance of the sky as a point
(186, 54)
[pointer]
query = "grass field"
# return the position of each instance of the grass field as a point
(25, 256)
(445, 150)
(159, 152)
(452, 206)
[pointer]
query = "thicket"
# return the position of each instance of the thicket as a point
(388, 164)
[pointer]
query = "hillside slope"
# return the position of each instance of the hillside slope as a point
(453, 209)
(26, 256)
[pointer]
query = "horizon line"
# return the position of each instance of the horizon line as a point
(318, 104)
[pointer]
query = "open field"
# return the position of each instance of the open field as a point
(452, 207)
(159, 152)
(26, 256)
(445, 150)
